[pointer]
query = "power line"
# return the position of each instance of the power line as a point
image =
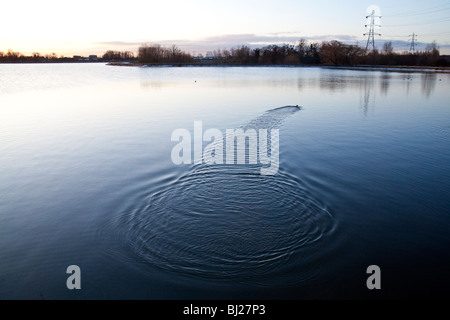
(399, 4)
(422, 11)
(390, 33)
(429, 12)
(446, 19)
(435, 33)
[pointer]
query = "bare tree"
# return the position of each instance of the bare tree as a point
(338, 53)
(432, 49)
(155, 54)
(302, 48)
(387, 48)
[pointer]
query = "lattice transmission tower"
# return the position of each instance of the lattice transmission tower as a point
(372, 25)
(413, 40)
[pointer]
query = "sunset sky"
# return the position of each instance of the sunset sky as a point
(91, 27)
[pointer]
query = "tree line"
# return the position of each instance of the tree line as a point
(12, 56)
(333, 53)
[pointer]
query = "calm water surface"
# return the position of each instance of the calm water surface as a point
(86, 178)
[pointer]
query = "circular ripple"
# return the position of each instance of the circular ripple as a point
(225, 222)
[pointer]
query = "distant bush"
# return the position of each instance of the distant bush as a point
(443, 62)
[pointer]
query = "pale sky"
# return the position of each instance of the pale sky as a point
(85, 27)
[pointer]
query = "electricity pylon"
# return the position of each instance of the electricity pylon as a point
(412, 48)
(371, 33)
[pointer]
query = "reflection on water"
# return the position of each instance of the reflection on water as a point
(366, 100)
(385, 82)
(366, 82)
(428, 81)
(407, 80)
(330, 82)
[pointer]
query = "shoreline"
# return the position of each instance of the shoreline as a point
(357, 67)
(393, 68)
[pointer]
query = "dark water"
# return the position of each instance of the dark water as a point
(87, 179)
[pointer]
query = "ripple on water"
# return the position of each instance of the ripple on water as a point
(226, 221)
(222, 222)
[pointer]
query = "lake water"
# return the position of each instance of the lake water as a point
(87, 179)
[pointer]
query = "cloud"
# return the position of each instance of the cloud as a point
(401, 46)
(228, 41)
